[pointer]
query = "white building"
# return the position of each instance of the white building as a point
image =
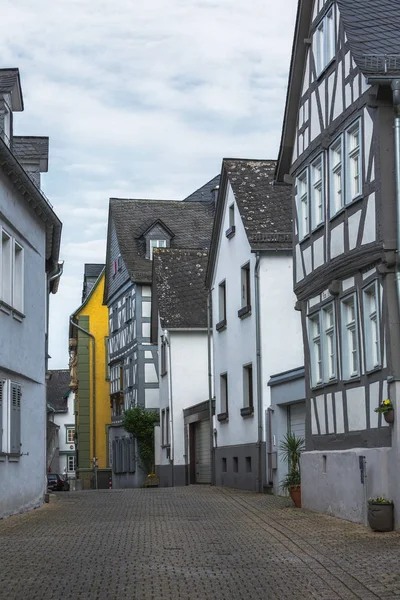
(61, 439)
(179, 326)
(256, 331)
(30, 234)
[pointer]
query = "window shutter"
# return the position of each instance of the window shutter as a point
(1, 414)
(15, 419)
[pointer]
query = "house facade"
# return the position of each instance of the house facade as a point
(61, 456)
(30, 234)
(340, 152)
(135, 229)
(90, 381)
(256, 332)
(179, 326)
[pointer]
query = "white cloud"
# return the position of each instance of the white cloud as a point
(141, 99)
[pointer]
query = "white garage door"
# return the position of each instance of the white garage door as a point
(203, 455)
(297, 419)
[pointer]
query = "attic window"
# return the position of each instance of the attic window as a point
(156, 244)
(324, 42)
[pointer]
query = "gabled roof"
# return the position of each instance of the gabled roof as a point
(10, 83)
(371, 27)
(30, 147)
(90, 294)
(190, 222)
(265, 209)
(206, 192)
(57, 389)
(179, 289)
(162, 225)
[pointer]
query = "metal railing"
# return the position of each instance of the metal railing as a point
(382, 64)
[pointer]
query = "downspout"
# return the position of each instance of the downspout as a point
(259, 481)
(210, 388)
(171, 416)
(396, 106)
(93, 378)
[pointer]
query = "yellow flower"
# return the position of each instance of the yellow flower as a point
(386, 402)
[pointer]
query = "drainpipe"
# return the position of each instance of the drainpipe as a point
(259, 481)
(171, 416)
(210, 387)
(93, 378)
(396, 105)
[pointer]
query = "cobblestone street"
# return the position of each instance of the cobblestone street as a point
(195, 542)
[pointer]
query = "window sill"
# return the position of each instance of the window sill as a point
(6, 308)
(318, 227)
(304, 239)
(337, 214)
(374, 370)
(223, 417)
(13, 457)
(324, 384)
(18, 316)
(355, 200)
(353, 379)
(221, 325)
(323, 72)
(229, 233)
(247, 411)
(244, 312)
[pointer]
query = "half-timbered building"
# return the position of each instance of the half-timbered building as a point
(135, 229)
(256, 332)
(340, 151)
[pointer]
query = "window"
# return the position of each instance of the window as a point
(221, 305)
(248, 402)
(317, 192)
(248, 464)
(6, 268)
(128, 309)
(350, 344)
(163, 357)
(371, 327)
(224, 393)
(324, 42)
(231, 216)
(70, 435)
(336, 177)
(10, 417)
(245, 283)
(18, 278)
(71, 463)
(156, 244)
(353, 162)
(115, 318)
(322, 342)
(302, 204)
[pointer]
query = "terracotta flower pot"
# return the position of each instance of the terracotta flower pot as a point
(389, 416)
(380, 517)
(295, 494)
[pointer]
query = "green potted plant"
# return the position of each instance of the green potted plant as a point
(380, 514)
(290, 449)
(140, 423)
(387, 410)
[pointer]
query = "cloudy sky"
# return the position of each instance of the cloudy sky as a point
(141, 99)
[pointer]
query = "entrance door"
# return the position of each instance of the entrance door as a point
(297, 419)
(202, 452)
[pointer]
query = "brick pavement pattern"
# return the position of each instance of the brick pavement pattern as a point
(191, 543)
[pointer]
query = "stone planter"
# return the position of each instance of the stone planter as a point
(380, 517)
(151, 482)
(389, 416)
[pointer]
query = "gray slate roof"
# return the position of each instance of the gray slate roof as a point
(265, 209)
(190, 222)
(31, 147)
(205, 193)
(179, 286)
(372, 28)
(10, 83)
(93, 269)
(57, 389)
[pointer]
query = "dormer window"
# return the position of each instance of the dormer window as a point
(156, 244)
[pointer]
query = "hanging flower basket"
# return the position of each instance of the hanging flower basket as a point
(387, 410)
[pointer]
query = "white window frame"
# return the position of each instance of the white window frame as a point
(73, 457)
(324, 41)
(353, 168)
(248, 386)
(373, 359)
(18, 277)
(303, 209)
(222, 301)
(232, 216)
(314, 334)
(329, 342)
(322, 336)
(6, 269)
(157, 244)
(245, 281)
(336, 177)
(317, 195)
(70, 429)
(224, 398)
(350, 337)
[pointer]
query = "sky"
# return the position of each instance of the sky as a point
(141, 99)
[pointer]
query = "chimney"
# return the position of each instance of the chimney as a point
(214, 193)
(33, 154)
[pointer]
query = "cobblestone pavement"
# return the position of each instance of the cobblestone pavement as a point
(191, 543)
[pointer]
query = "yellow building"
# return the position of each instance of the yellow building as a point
(89, 380)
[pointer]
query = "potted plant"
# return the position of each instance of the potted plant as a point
(386, 409)
(380, 514)
(291, 448)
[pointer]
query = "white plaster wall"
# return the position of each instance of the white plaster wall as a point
(63, 419)
(281, 334)
(236, 345)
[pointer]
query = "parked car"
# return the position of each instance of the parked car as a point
(56, 483)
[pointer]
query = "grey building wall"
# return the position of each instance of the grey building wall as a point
(238, 466)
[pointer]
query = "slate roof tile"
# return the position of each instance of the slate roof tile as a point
(265, 209)
(30, 147)
(57, 388)
(205, 193)
(179, 283)
(190, 222)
